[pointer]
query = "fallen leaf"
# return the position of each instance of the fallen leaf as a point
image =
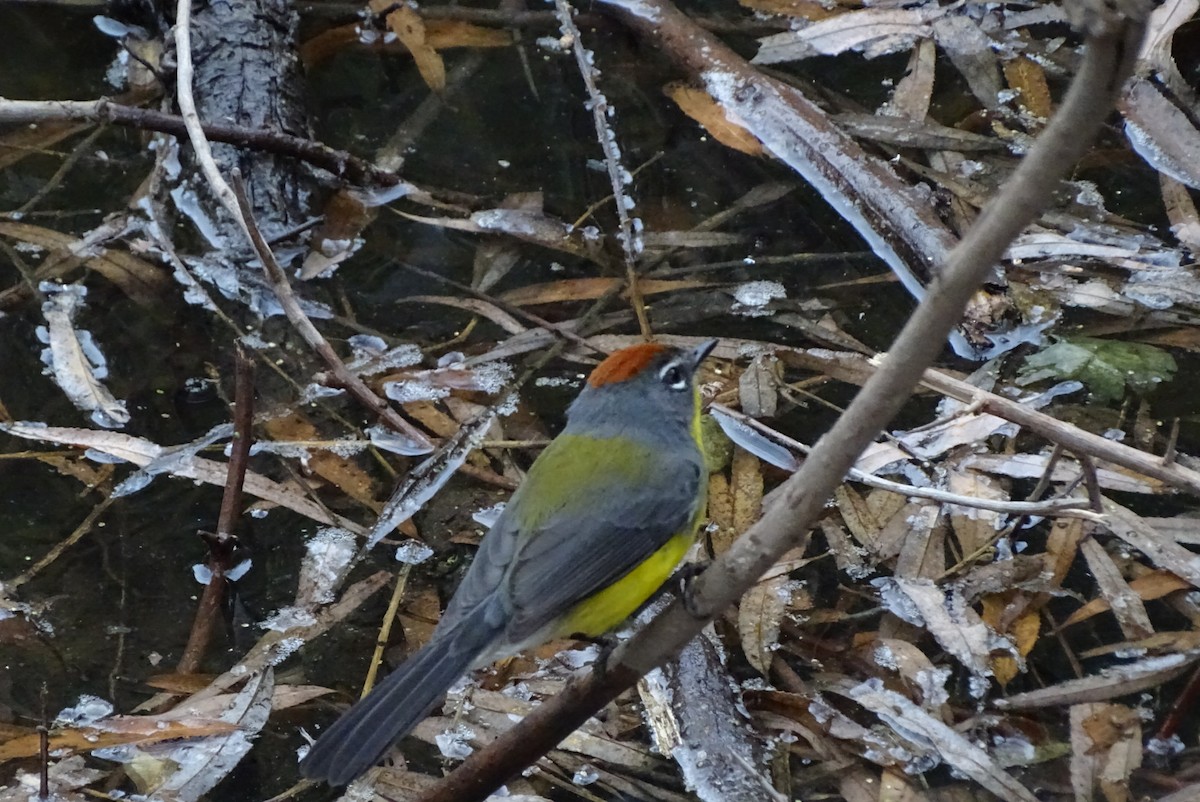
(1025, 75)
(720, 123)
(409, 28)
(339, 471)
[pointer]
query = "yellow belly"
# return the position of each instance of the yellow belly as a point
(608, 608)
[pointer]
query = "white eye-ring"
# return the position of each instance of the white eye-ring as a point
(673, 376)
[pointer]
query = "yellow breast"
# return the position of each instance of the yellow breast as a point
(605, 610)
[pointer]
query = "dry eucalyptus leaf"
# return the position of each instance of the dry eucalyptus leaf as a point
(142, 281)
(724, 126)
(746, 482)
(914, 92)
(871, 31)
(945, 615)
(1023, 631)
(143, 452)
(409, 28)
(442, 34)
(1026, 76)
(587, 289)
(975, 529)
(955, 749)
(340, 471)
(1108, 683)
(1148, 586)
(73, 359)
(1122, 600)
(758, 387)
(760, 614)
(1161, 132)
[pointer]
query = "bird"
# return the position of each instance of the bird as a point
(604, 515)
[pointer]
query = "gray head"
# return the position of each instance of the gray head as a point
(647, 390)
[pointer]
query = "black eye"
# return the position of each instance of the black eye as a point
(674, 377)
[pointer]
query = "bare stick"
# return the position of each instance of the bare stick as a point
(338, 162)
(223, 545)
(620, 178)
(1110, 50)
(1064, 507)
(191, 118)
(243, 436)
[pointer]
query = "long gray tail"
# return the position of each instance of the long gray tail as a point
(358, 739)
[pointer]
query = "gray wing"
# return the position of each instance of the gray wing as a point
(486, 573)
(573, 555)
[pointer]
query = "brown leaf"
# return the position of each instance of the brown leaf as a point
(747, 485)
(1123, 600)
(337, 470)
(410, 30)
(859, 517)
(720, 513)
(811, 10)
(337, 238)
(757, 387)
(724, 126)
(1153, 585)
(143, 282)
(328, 43)
(180, 683)
(442, 34)
(87, 472)
(115, 731)
(1026, 76)
(419, 617)
(1161, 131)
(975, 529)
(1023, 632)
(760, 614)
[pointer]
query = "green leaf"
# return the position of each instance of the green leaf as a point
(1107, 367)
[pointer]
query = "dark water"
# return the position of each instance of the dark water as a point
(117, 606)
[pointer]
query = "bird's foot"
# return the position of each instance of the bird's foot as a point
(682, 586)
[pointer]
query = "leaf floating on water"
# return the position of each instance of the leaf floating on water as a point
(872, 32)
(724, 126)
(1161, 132)
(755, 442)
(72, 358)
(1107, 367)
(409, 28)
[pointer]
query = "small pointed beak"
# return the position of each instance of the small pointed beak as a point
(701, 352)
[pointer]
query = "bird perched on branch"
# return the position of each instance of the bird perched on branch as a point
(605, 514)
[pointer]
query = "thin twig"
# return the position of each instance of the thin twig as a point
(1066, 507)
(385, 629)
(243, 436)
(630, 235)
(1168, 456)
(223, 545)
(511, 309)
(309, 333)
(342, 164)
(1091, 481)
(84, 147)
(84, 527)
(191, 118)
